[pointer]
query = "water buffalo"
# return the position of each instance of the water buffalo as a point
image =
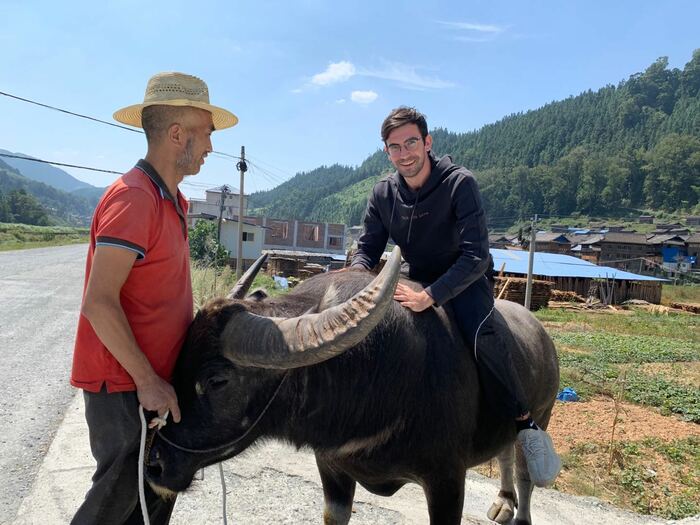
(382, 395)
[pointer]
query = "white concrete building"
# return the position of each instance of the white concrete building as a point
(211, 204)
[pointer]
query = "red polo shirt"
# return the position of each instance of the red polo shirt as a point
(138, 213)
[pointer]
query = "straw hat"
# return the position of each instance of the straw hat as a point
(176, 89)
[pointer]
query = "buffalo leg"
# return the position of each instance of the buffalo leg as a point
(445, 498)
(338, 494)
(525, 487)
(503, 508)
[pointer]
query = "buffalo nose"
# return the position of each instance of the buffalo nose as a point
(154, 467)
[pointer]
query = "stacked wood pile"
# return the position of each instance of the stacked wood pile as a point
(284, 266)
(566, 296)
(620, 290)
(687, 307)
(513, 289)
(310, 269)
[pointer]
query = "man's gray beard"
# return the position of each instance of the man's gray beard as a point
(184, 162)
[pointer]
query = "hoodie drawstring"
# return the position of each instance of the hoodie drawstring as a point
(391, 219)
(410, 221)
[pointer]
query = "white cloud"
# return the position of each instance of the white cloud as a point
(334, 73)
(340, 101)
(479, 28)
(471, 32)
(363, 97)
(403, 74)
(406, 75)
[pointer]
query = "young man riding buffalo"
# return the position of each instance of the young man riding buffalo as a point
(432, 209)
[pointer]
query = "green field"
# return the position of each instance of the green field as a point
(680, 293)
(651, 360)
(23, 236)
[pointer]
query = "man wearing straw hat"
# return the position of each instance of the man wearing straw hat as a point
(137, 302)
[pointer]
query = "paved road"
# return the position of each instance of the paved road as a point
(40, 293)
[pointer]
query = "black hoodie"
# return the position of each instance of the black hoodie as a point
(441, 228)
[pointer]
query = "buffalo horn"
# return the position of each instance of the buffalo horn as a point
(243, 285)
(282, 343)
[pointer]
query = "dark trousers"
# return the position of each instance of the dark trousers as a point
(473, 310)
(115, 433)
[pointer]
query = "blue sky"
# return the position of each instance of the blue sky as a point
(312, 80)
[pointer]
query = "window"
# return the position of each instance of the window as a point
(310, 232)
(248, 236)
(334, 241)
(280, 229)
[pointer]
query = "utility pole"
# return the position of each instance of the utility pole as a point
(242, 168)
(531, 262)
(224, 191)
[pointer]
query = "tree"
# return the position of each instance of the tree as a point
(204, 246)
(26, 209)
(675, 163)
(5, 212)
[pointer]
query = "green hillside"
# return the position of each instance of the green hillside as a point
(608, 152)
(56, 207)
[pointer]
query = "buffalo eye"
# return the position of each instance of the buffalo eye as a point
(216, 383)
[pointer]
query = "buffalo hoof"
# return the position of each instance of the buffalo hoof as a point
(502, 510)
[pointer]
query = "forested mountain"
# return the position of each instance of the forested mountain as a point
(45, 173)
(31, 202)
(631, 146)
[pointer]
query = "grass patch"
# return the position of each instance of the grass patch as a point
(689, 293)
(24, 236)
(622, 348)
(209, 282)
(650, 476)
(603, 354)
(678, 326)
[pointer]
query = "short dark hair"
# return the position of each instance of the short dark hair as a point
(156, 120)
(400, 117)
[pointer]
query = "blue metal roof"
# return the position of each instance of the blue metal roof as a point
(558, 265)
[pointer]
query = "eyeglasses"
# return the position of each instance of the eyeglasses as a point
(394, 150)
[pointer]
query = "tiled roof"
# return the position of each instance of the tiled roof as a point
(625, 238)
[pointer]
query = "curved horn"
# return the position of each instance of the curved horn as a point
(281, 343)
(241, 287)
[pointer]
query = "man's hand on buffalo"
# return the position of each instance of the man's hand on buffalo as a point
(416, 301)
(157, 395)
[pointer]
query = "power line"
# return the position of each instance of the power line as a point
(281, 173)
(220, 153)
(93, 119)
(70, 112)
(60, 164)
(199, 184)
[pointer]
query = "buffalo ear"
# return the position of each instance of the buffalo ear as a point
(257, 295)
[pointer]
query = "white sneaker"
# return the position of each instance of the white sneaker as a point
(543, 463)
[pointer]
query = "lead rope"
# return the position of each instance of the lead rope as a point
(160, 423)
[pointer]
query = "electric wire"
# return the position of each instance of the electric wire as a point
(60, 164)
(70, 112)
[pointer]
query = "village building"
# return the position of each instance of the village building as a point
(587, 247)
(212, 204)
(627, 251)
(669, 250)
(551, 242)
(569, 273)
(500, 240)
